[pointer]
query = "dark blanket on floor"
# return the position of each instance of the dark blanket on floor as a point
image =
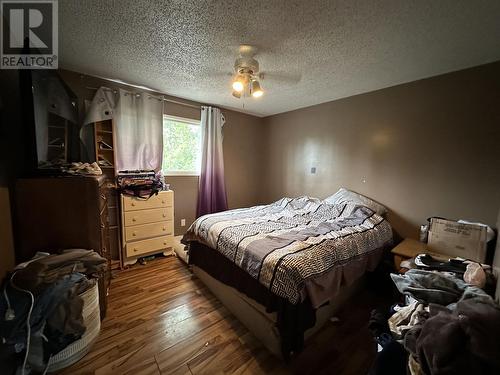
(460, 341)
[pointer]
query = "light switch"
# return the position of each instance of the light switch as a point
(183, 222)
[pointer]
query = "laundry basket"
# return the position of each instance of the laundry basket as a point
(76, 350)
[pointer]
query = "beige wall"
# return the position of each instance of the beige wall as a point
(427, 148)
(243, 152)
(244, 161)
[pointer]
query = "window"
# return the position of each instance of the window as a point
(181, 146)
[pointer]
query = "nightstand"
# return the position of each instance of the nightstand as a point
(407, 249)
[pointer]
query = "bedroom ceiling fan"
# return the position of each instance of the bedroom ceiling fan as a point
(246, 79)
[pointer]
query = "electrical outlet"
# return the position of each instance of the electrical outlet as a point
(183, 222)
(313, 170)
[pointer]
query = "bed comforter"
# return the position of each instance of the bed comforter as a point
(293, 242)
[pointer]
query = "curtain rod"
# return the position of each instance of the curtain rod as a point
(182, 103)
(165, 99)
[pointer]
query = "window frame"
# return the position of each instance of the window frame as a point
(185, 120)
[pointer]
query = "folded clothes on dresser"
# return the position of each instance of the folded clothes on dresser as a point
(139, 183)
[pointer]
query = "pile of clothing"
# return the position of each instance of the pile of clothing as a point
(139, 183)
(42, 297)
(80, 168)
(447, 327)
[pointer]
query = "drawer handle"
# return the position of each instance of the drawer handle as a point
(164, 215)
(134, 234)
(134, 219)
(162, 202)
(135, 249)
(132, 204)
(165, 243)
(164, 229)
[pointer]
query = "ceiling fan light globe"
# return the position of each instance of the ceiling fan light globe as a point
(238, 86)
(256, 89)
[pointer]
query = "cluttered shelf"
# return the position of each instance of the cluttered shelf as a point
(408, 249)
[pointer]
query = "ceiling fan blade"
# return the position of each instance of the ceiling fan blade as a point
(222, 75)
(217, 75)
(281, 78)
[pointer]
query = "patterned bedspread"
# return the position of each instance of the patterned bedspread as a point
(292, 240)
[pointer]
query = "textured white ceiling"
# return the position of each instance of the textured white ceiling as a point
(317, 51)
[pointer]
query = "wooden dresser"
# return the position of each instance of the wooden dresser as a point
(147, 225)
(63, 212)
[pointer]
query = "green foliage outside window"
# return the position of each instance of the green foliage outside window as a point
(181, 146)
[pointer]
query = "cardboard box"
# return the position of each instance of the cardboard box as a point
(467, 241)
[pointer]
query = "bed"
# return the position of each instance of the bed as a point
(282, 269)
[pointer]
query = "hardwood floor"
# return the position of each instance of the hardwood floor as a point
(162, 320)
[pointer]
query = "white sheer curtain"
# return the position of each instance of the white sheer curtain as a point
(100, 108)
(139, 131)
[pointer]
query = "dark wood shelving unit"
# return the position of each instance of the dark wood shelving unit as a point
(105, 157)
(57, 130)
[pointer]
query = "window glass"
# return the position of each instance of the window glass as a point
(181, 146)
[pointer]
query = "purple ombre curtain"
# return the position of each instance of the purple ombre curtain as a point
(212, 190)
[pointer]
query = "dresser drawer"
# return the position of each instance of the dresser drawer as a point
(163, 199)
(148, 246)
(138, 232)
(148, 216)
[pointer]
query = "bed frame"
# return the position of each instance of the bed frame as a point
(263, 324)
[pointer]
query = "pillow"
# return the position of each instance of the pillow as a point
(344, 196)
(304, 202)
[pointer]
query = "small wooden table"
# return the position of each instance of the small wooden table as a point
(407, 249)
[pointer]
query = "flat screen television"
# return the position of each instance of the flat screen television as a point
(53, 119)
(55, 111)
